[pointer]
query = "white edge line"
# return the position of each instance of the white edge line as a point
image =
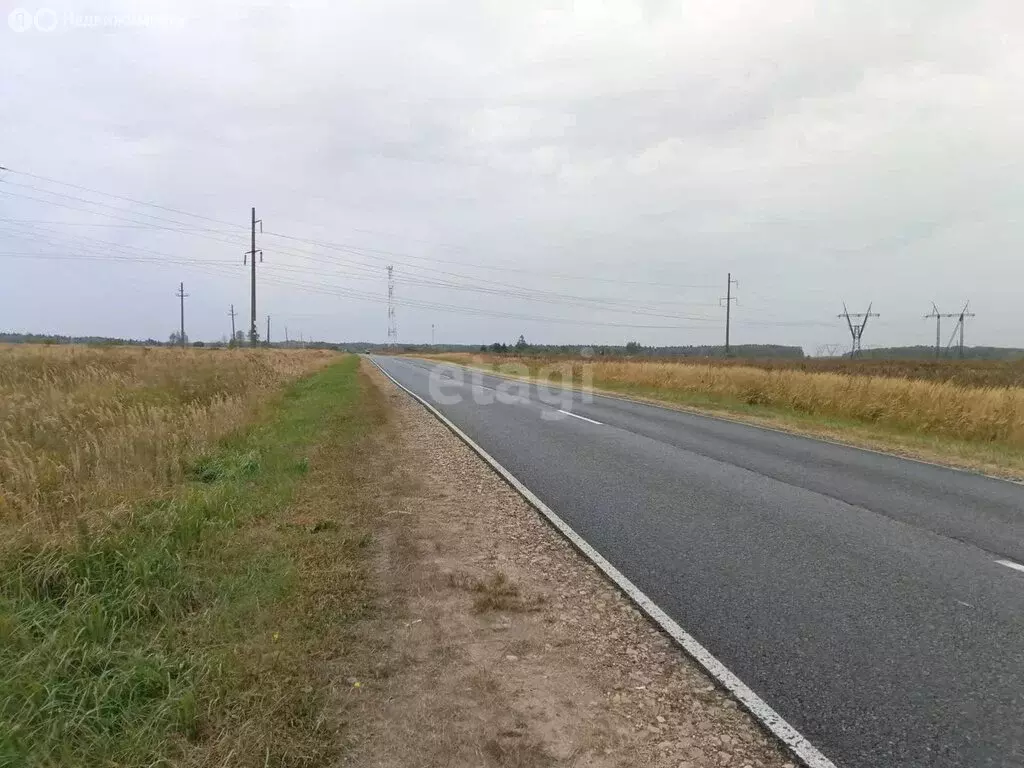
(577, 416)
(754, 704)
(693, 411)
(1011, 564)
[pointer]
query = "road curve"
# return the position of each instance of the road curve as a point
(870, 600)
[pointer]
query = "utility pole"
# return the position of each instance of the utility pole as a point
(253, 333)
(392, 322)
(286, 335)
(232, 313)
(181, 296)
(268, 330)
(857, 331)
(729, 299)
(431, 334)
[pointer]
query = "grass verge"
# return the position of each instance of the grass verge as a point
(201, 630)
(988, 456)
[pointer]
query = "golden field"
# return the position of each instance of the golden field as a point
(986, 414)
(85, 430)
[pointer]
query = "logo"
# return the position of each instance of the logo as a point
(20, 20)
(43, 20)
(46, 20)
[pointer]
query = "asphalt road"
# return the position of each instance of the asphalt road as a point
(860, 595)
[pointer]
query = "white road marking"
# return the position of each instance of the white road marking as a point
(768, 717)
(1011, 564)
(577, 416)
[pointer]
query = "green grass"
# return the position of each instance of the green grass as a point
(153, 642)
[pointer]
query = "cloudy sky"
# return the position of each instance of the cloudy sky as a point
(582, 171)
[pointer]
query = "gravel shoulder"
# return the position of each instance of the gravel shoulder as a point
(497, 644)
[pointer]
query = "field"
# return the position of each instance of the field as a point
(88, 431)
(184, 545)
(968, 373)
(970, 413)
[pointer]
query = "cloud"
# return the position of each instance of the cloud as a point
(864, 151)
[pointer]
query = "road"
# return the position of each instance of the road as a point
(863, 596)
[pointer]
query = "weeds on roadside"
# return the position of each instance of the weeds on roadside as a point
(185, 630)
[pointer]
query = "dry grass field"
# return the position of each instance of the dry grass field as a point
(968, 373)
(879, 398)
(87, 431)
(184, 543)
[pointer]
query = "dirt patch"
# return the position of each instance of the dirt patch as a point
(499, 645)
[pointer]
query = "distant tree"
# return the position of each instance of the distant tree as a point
(198, 344)
(521, 344)
(176, 338)
(633, 347)
(483, 347)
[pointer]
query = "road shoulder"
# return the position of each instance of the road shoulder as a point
(500, 645)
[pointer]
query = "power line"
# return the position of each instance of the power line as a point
(516, 292)
(320, 243)
(392, 322)
(109, 225)
(483, 286)
(117, 197)
(225, 270)
(432, 259)
(362, 250)
(500, 288)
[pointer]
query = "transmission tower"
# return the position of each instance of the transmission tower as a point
(961, 316)
(857, 330)
(392, 323)
(828, 350)
(938, 326)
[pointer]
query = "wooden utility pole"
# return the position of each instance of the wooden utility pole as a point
(232, 313)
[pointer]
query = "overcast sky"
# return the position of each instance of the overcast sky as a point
(599, 163)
